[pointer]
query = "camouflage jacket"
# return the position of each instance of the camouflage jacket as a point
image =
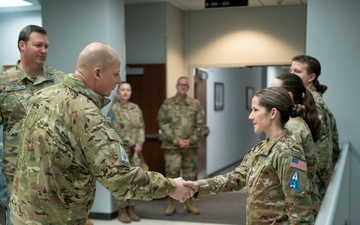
(127, 120)
(181, 119)
(66, 146)
(324, 146)
(301, 132)
(16, 88)
(274, 174)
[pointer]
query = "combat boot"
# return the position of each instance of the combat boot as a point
(89, 222)
(171, 209)
(133, 216)
(188, 206)
(123, 215)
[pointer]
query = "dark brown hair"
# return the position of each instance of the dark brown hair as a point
(301, 95)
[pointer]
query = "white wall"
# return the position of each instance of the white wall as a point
(231, 133)
(10, 25)
(333, 36)
(96, 21)
(145, 33)
(245, 36)
(175, 56)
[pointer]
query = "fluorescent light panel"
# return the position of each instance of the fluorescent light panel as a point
(13, 3)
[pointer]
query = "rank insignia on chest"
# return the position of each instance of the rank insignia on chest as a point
(294, 182)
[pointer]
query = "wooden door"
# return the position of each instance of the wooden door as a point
(148, 84)
(200, 94)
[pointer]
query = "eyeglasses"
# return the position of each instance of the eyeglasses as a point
(183, 85)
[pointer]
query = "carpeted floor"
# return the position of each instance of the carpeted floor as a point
(225, 208)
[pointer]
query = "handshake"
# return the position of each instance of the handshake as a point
(184, 189)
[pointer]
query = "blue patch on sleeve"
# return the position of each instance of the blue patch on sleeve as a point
(159, 115)
(112, 117)
(294, 182)
(123, 154)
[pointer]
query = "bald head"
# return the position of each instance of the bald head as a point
(98, 66)
(96, 54)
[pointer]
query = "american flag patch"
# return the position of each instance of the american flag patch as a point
(298, 164)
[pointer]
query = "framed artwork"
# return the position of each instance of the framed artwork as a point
(249, 95)
(218, 96)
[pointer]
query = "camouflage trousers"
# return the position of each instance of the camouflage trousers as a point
(181, 162)
(135, 160)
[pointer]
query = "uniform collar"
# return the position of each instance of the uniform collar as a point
(271, 142)
(187, 100)
(45, 74)
(74, 83)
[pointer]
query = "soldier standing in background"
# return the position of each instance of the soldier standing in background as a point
(127, 119)
(181, 121)
(308, 69)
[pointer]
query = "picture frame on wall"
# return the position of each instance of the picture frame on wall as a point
(218, 96)
(250, 91)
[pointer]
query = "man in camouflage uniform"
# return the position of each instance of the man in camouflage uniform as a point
(308, 69)
(17, 85)
(181, 121)
(127, 119)
(67, 144)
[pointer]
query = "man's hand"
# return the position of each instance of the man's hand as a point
(192, 184)
(181, 192)
(184, 143)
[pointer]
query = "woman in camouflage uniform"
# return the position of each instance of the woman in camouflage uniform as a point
(274, 172)
(306, 128)
(127, 120)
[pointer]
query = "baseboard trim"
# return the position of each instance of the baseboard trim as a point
(103, 216)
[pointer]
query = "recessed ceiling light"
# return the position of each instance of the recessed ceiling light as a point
(12, 3)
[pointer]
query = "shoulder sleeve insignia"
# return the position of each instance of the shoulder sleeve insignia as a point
(124, 157)
(294, 182)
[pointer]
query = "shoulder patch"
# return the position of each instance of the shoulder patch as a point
(294, 182)
(124, 157)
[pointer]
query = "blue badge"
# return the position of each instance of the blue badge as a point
(124, 157)
(294, 182)
(112, 117)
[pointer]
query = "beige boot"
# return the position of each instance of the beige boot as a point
(188, 206)
(123, 215)
(89, 222)
(131, 212)
(171, 209)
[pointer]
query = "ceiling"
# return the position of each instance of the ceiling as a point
(186, 5)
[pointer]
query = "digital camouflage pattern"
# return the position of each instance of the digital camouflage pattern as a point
(66, 146)
(16, 88)
(181, 162)
(301, 132)
(127, 120)
(181, 119)
(324, 146)
(277, 193)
